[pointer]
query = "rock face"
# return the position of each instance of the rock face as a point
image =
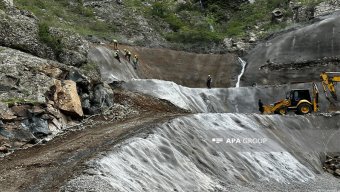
(326, 7)
(66, 97)
(298, 55)
(24, 76)
(137, 31)
(8, 3)
(20, 30)
(74, 47)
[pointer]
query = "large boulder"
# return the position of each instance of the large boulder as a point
(20, 31)
(66, 97)
(23, 76)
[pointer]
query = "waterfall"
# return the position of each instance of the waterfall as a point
(212, 29)
(202, 6)
(243, 64)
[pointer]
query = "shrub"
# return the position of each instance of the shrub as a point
(159, 9)
(194, 36)
(174, 22)
(46, 37)
(2, 5)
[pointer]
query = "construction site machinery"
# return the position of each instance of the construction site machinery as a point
(329, 80)
(298, 100)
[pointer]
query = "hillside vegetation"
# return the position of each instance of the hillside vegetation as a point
(203, 21)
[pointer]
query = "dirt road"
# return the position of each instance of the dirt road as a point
(46, 167)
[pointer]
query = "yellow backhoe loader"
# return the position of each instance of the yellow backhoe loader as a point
(300, 100)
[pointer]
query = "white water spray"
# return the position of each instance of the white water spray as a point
(243, 64)
(201, 4)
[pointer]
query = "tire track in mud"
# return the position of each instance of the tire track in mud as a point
(47, 167)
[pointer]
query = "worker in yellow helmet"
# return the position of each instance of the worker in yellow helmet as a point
(135, 61)
(127, 55)
(115, 44)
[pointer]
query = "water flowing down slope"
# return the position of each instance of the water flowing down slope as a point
(243, 64)
(180, 155)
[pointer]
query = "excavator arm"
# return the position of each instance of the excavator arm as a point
(315, 98)
(328, 82)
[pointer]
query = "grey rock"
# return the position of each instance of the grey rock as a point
(327, 7)
(277, 15)
(20, 31)
(23, 133)
(30, 77)
(74, 47)
(38, 126)
(76, 76)
(138, 31)
(5, 133)
(337, 172)
(5, 112)
(103, 96)
(8, 3)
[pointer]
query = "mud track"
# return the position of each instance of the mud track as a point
(46, 167)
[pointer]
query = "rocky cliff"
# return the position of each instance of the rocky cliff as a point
(42, 90)
(300, 54)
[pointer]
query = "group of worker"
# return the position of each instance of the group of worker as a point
(127, 54)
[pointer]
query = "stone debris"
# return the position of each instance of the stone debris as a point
(6, 113)
(332, 165)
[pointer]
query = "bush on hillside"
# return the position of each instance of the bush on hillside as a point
(46, 37)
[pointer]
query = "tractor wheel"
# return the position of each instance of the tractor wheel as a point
(304, 108)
